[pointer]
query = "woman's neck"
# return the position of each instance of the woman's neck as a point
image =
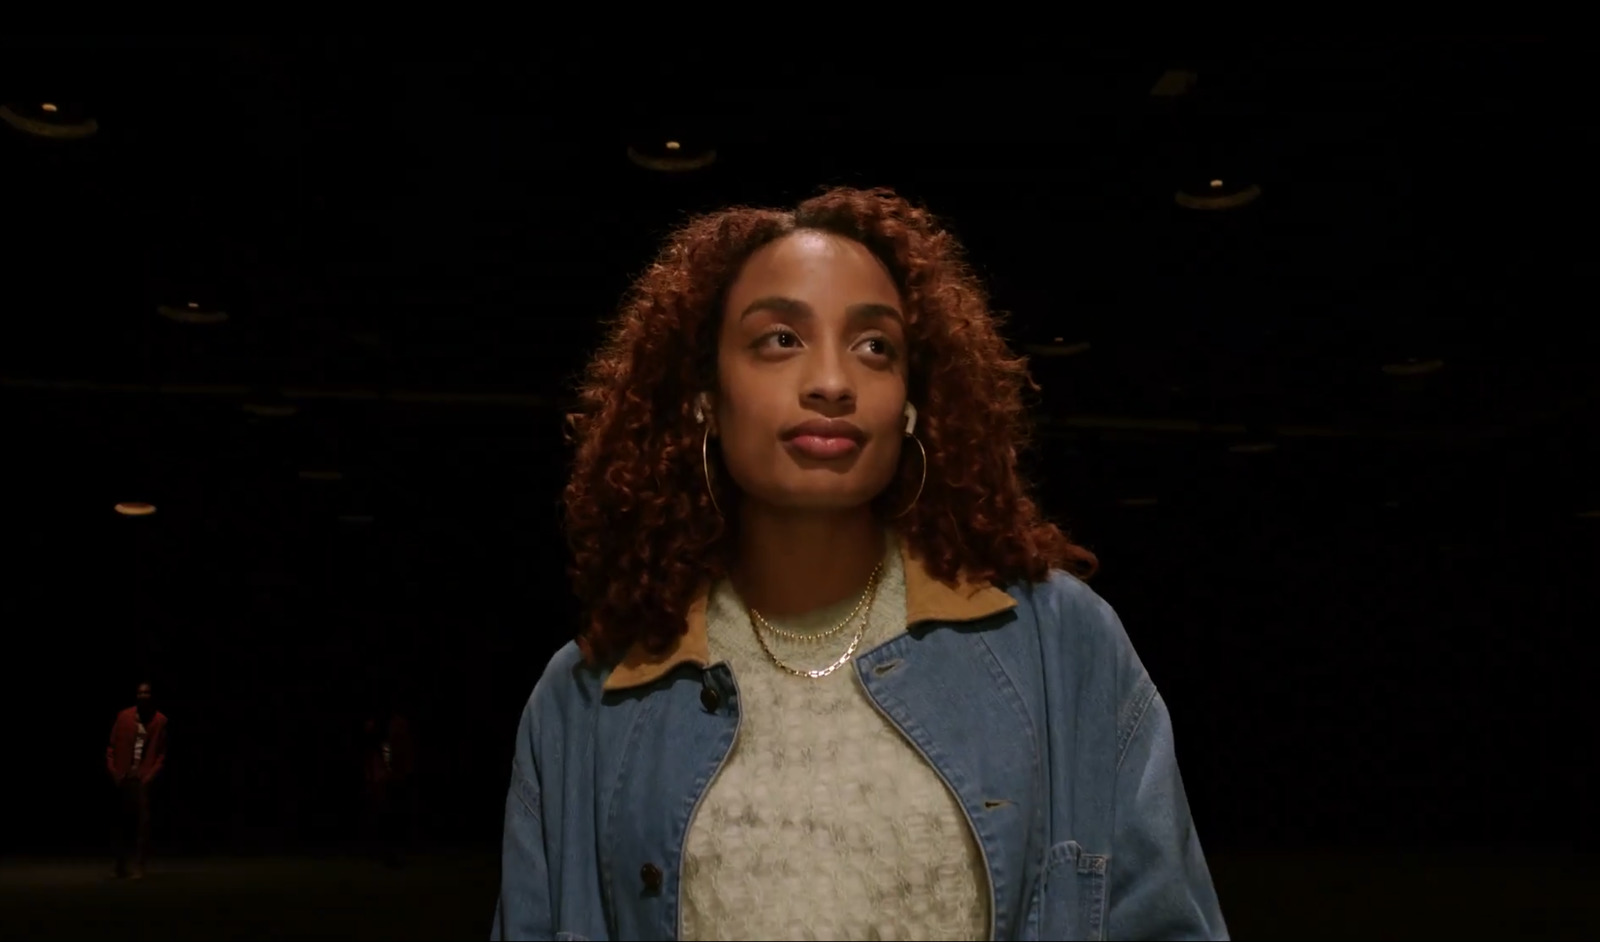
(796, 561)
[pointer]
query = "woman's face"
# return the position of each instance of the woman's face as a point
(811, 365)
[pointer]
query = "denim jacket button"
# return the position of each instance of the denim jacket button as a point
(709, 699)
(651, 875)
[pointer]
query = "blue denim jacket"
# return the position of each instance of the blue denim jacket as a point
(1029, 702)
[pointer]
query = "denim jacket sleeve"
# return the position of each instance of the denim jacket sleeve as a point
(1160, 886)
(524, 908)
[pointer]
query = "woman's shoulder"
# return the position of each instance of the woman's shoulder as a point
(1073, 625)
(1065, 602)
(566, 678)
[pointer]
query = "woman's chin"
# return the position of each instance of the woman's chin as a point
(820, 498)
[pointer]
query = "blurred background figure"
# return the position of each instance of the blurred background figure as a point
(134, 757)
(389, 762)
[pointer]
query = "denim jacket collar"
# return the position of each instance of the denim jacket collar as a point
(927, 599)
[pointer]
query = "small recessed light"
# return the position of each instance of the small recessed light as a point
(47, 120)
(1218, 195)
(674, 156)
(191, 313)
(136, 509)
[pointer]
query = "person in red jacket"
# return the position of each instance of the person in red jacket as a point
(390, 763)
(134, 757)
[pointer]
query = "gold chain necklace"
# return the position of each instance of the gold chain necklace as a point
(815, 638)
(868, 597)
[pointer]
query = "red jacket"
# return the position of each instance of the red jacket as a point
(119, 754)
(402, 754)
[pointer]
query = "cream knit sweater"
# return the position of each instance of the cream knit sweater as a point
(825, 822)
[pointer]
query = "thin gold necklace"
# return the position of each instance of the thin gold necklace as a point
(814, 637)
(867, 599)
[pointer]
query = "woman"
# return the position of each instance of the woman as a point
(836, 681)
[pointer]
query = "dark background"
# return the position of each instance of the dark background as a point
(1370, 636)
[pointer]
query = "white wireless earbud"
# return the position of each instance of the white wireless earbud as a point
(911, 419)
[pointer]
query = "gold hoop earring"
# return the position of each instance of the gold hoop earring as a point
(920, 483)
(705, 463)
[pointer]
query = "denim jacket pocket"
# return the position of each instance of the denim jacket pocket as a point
(1070, 901)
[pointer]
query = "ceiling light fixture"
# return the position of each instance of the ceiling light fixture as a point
(48, 120)
(136, 509)
(1217, 195)
(673, 155)
(191, 313)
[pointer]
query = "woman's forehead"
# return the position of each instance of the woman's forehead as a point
(822, 269)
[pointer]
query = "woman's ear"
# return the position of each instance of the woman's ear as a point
(705, 411)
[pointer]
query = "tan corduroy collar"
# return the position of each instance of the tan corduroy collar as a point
(927, 599)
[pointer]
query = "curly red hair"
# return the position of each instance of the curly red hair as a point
(643, 532)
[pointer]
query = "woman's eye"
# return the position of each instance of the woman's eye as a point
(789, 340)
(881, 346)
(783, 339)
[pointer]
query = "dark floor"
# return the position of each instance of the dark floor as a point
(1378, 896)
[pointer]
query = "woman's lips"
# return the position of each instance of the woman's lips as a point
(823, 448)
